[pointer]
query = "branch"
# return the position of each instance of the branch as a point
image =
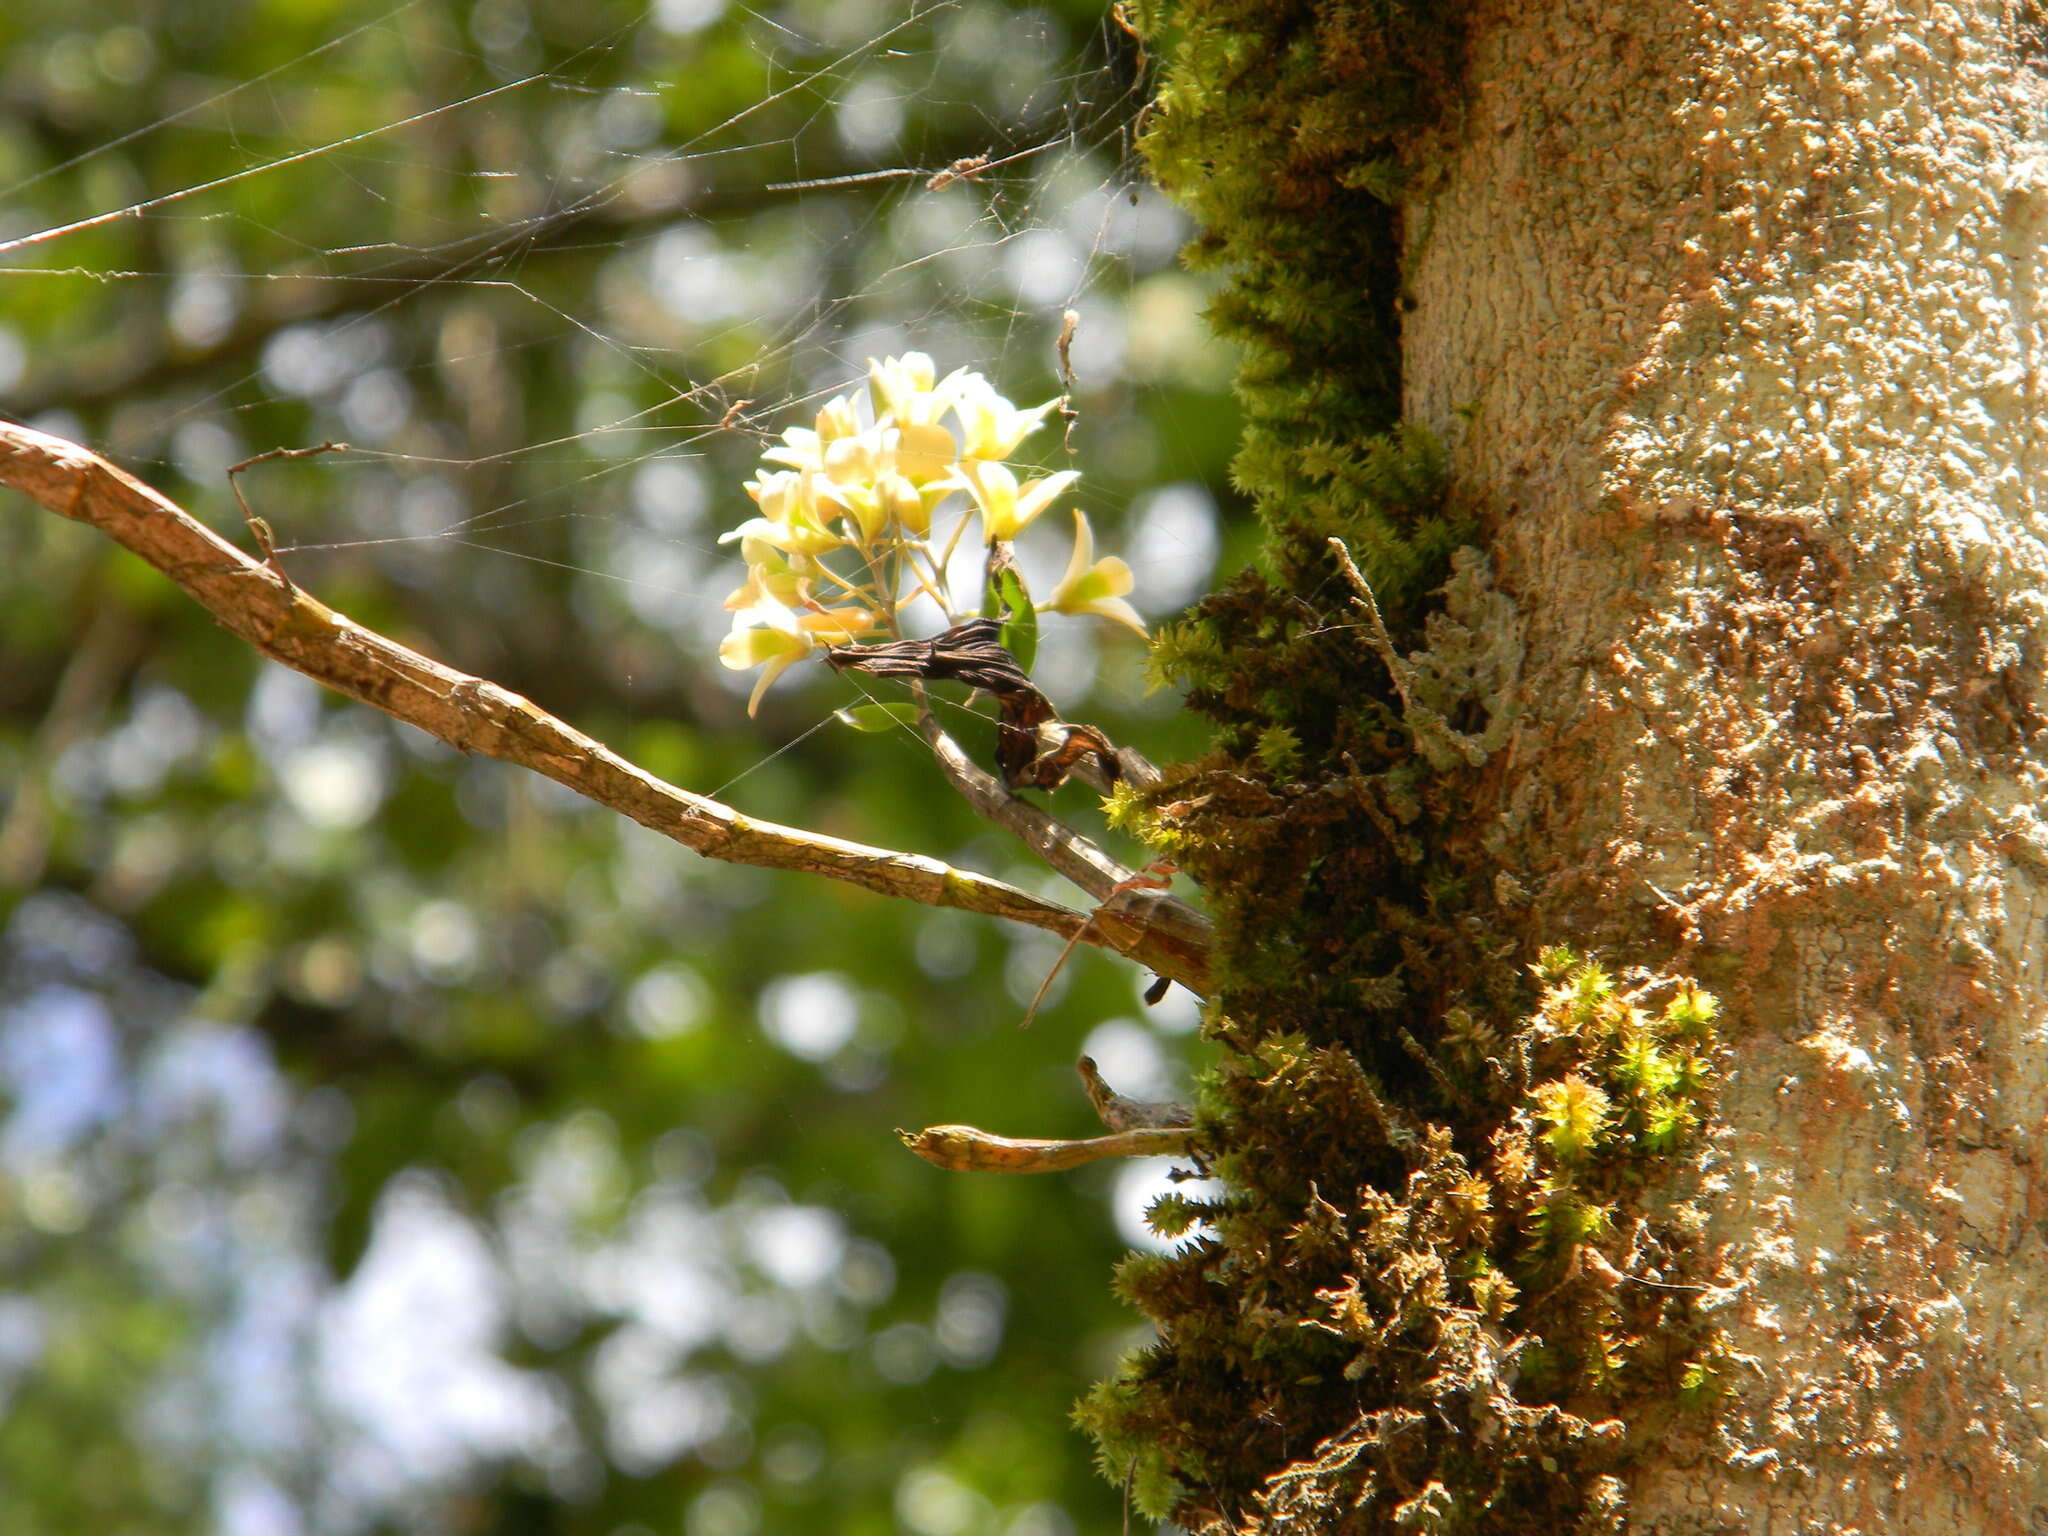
(1129, 911)
(154, 359)
(1137, 1129)
(114, 640)
(147, 356)
(970, 652)
(285, 623)
(965, 1149)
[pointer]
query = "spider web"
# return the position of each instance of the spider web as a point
(737, 289)
(555, 328)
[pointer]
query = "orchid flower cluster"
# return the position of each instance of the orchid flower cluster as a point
(845, 540)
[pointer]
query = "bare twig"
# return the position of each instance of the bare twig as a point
(1376, 627)
(1156, 877)
(107, 651)
(1070, 321)
(287, 624)
(1169, 926)
(259, 528)
(963, 1149)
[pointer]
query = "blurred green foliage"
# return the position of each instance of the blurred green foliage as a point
(392, 1141)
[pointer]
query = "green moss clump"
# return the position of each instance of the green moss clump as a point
(1442, 1266)
(1430, 1321)
(1279, 125)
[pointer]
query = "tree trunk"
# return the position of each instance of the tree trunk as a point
(1730, 315)
(1726, 319)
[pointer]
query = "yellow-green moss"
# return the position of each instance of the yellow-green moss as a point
(1441, 1265)
(1455, 1286)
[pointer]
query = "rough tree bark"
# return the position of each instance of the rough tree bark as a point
(1730, 315)
(1725, 319)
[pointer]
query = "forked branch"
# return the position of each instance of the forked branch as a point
(1034, 749)
(287, 624)
(1136, 1129)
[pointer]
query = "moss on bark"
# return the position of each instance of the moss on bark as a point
(1440, 1272)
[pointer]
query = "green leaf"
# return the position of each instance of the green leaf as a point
(1020, 631)
(878, 717)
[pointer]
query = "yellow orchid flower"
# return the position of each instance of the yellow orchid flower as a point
(902, 385)
(772, 575)
(853, 466)
(872, 490)
(804, 448)
(799, 449)
(778, 638)
(797, 539)
(837, 418)
(905, 505)
(836, 626)
(924, 452)
(990, 427)
(1094, 586)
(1007, 509)
(858, 457)
(790, 516)
(777, 649)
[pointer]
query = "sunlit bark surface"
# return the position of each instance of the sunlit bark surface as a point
(1730, 316)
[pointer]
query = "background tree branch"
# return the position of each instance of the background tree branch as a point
(145, 354)
(259, 604)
